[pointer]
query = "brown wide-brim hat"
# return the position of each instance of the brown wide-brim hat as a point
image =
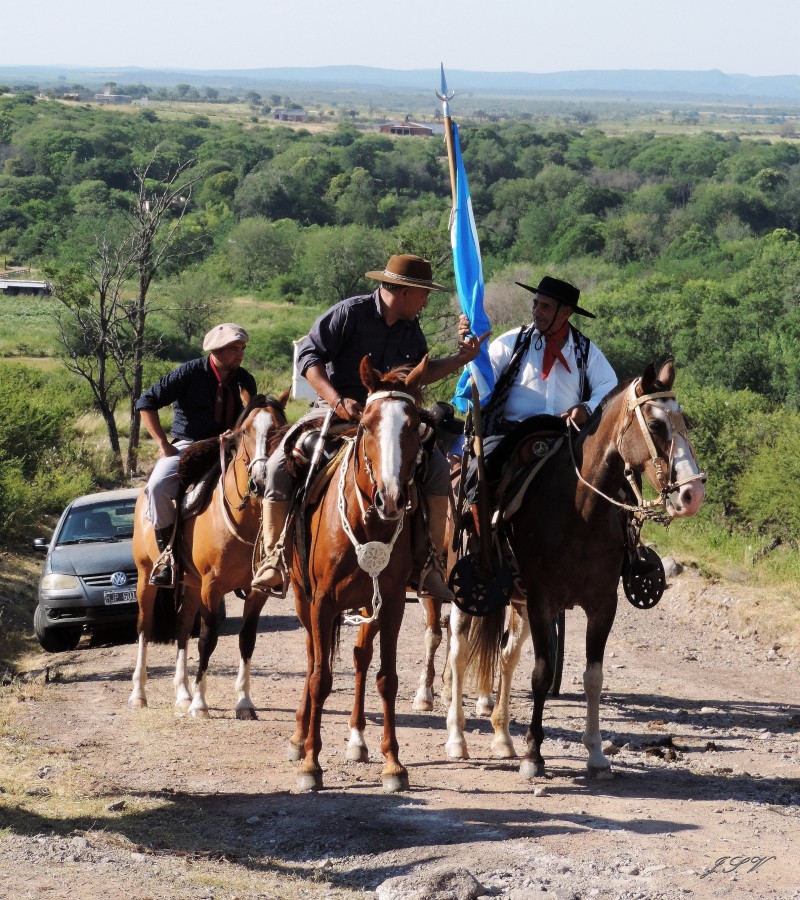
(561, 291)
(409, 271)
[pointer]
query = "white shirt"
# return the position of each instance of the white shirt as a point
(531, 395)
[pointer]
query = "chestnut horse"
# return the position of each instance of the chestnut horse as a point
(360, 558)
(216, 556)
(568, 540)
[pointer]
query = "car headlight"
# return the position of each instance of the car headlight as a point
(56, 582)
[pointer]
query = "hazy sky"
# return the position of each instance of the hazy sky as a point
(754, 37)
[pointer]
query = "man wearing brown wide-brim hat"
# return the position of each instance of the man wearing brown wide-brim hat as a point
(383, 325)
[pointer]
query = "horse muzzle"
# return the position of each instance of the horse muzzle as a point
(389, 503)
(686, 500)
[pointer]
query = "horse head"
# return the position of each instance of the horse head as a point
(390, 432)
(262, 416)
(660, 445)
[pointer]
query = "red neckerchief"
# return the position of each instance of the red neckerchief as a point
(223, 404)
(552, 350)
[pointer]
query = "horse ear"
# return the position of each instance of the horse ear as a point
(647, 383)
(284, 398)
(245, 395)
(369, 377)
(666, 375)
(414, 376)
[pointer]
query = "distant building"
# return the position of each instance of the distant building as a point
(108, 97)
(283, 114)
(12, 287)
(407, 128)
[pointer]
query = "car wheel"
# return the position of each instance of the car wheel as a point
(54, 640)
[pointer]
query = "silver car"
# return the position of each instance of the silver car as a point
(89, 577)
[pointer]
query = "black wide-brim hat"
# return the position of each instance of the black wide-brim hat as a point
(443, 416)
(561, 291)
(409, 271)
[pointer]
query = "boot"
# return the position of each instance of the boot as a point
(270, 572)
(163, 574)
(434, 585)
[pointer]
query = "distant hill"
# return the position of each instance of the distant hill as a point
(630, 83)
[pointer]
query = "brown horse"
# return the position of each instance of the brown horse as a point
(216, 556)
(569, 544)
(360, 559)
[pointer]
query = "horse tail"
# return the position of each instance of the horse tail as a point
(485, 634)
(165, 617)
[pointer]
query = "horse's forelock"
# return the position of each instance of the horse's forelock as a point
(396, 378)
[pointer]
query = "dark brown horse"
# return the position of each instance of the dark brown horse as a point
(568, 540)
(360, 559)
(216, 556)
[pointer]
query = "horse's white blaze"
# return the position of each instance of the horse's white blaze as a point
(390, 427)
(687, 499)
(263, 422)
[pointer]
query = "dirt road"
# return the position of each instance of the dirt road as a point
(100, 801)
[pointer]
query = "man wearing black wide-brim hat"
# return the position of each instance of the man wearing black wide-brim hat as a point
(547, 367)
(383, 325)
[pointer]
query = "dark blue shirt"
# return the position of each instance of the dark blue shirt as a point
(349, 331)
(192, 391)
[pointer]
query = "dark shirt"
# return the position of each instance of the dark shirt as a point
(349, 331)
(192, 391)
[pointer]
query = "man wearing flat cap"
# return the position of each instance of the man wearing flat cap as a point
(383, 325)
(547, 367)
(206, 397)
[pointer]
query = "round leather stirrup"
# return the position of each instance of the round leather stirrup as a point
(643, 578)
(478, 592)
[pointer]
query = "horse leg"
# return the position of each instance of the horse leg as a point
(253, 604)
(183, 627)
(456, 745)
(532, 764)
(394, 775)
(138, 698)
(447, 675)
(518, 630)
(362, 657)
(296, 749)
(207, 643)
(309, 776)
(423, 701)
(598, 627)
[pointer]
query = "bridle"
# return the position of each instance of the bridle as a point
(654, 510)
(372, 556)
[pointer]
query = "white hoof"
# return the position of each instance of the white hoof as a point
(456, 750)
(503, 749)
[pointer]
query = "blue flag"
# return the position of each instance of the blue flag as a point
(469, 284)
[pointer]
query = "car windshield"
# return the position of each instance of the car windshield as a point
(98, 522)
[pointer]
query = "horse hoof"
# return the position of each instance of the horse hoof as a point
(309, 781)
(530, 770)
(199, 714)
(295, 753)
(601, 773)
(183, 704)
(394, 783)
(422, 704)
(503, 750)
(456, 750)
(246, 714)
(137, 703)
(356, 753)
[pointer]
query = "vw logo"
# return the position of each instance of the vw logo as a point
(119, 578)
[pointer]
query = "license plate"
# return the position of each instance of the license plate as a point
(111, 597)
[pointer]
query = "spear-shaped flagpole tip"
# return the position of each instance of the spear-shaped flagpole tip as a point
(444, 96)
